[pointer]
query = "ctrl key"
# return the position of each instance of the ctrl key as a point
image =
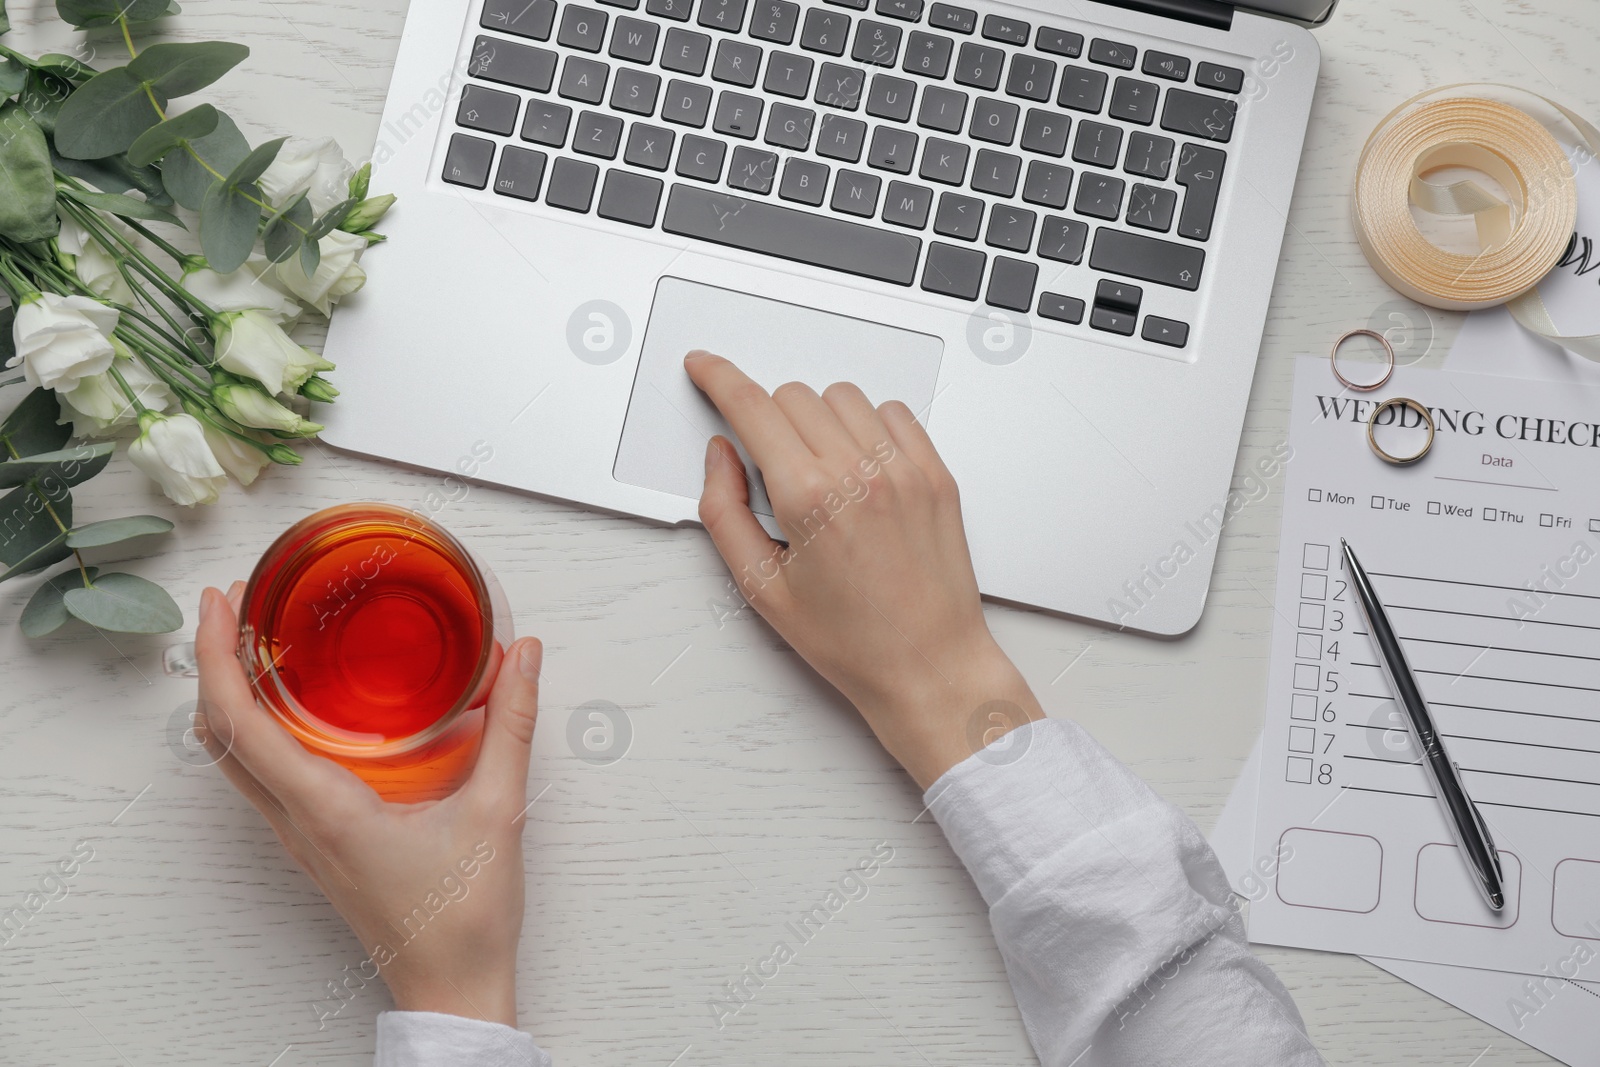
(467, 161)
(1162, 331)
(520, 174)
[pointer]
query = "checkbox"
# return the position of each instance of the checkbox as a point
(1547, 519)
(1490, 515)
(1307, 676)
(1302, 739)
(1299, 770)
(1315, 496)
(1313, 587)
(1315, 558)
(1308, 646)
(1377, 503)
(1311, 616)
(1433, 507)
(1303, 707)
(1594, 525)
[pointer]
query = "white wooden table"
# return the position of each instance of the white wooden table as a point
(749, 787)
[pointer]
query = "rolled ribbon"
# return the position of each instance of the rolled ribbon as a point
(1521, 241)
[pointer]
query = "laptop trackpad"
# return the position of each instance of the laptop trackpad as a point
(669, 420)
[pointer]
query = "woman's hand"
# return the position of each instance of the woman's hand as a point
(434, 890)
(876, 588)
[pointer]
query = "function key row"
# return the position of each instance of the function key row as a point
(776, 20)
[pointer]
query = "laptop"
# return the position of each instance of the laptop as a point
(1050, 228)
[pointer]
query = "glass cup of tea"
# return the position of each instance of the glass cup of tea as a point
(371, 633)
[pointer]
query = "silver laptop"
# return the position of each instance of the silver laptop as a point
(1050, 228)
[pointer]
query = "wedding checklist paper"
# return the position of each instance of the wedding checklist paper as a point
(1487, 554)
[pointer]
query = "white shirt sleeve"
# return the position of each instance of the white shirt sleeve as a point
(429, 1039)
(1113, 916)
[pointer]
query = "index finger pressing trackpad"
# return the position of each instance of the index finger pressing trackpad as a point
(669, 420)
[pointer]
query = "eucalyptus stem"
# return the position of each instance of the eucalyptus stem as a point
(49, 508)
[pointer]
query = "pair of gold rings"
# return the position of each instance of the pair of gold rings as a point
(1393, 402)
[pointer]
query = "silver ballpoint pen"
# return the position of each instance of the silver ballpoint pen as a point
(1471, 833)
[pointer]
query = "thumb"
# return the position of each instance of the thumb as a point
(501, 774)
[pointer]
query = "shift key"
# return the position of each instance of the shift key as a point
(1147, 258)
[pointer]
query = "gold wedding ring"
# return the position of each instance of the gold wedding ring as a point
(1401, 402)
(1388, 351)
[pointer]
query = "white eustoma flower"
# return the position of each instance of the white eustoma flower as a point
(98, 406)
(62, 339)
(249, 406)
(250, 288)
(314, 167)
(94, 266)
(172, 449)
(253, 346)
(338, 273)
(236, 457)
(302, 365)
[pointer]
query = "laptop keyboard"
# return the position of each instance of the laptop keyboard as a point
(826, 134)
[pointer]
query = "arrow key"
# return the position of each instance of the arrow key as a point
(1162, 331)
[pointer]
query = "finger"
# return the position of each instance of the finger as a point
(295, 777)
(912, 440)
(754, 416)
(236, 597)
(816, 423)
(725, 509)
(859, 418)
(501, 774)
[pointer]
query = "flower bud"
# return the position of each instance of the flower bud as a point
(366, 214)
(319, 389)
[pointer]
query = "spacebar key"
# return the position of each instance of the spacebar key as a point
(1146, 258)
(800, 236)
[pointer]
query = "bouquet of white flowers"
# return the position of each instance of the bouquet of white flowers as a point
(121, 332)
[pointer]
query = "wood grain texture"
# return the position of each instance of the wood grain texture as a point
(749, 787)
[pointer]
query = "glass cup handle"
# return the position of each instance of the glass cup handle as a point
(178, 661)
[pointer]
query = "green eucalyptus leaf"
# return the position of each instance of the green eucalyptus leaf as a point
(5, 20)
(70, 466)
(111, 531)
(228, 221)
(64, 67)
(163, 137)
(8, 344)
(180, 68)
(47, 608)
(285, 229)
(330, 221)
(86, 13)
(106, 114)
(27, 185)
(30, 537)
(113, 175)
(41, 98)
(32, 428)
(125, 603)
(13, 75)
(124, 206)
(256, 163)
(310, 257)
(186, 180)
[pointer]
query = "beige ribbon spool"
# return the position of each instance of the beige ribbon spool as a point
(1521, 241)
